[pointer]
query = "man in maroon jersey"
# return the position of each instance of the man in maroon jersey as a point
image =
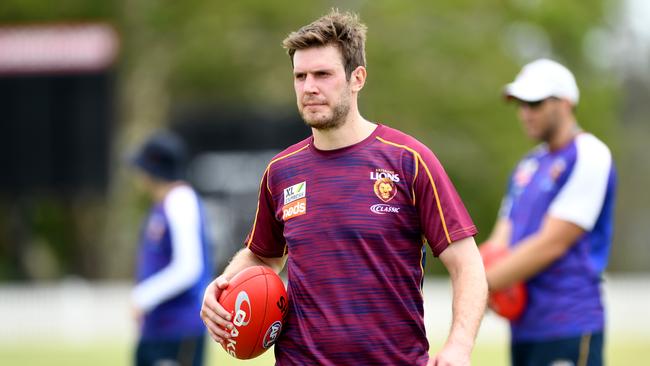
(351, 210)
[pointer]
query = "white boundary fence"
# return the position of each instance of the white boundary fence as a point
(81, 312)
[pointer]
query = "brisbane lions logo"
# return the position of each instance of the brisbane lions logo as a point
(385, 189)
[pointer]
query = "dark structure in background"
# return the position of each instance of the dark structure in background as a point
(56, 117)
(230, 150)
(56, 104)
(55, 133)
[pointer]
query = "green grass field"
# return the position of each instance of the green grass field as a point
(618, 352)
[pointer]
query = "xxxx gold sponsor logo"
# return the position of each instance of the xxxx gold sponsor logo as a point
(294, 209)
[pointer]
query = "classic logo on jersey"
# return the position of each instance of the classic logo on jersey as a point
(272, 334)
(525, 171)
(384, 186)
(295, 201)
(382, 209)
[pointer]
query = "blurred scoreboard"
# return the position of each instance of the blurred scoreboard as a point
(56, 107)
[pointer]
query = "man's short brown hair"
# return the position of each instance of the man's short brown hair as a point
(344, 30)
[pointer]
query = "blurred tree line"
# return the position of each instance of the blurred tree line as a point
(436, 70)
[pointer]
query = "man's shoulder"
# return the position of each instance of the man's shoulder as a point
(292, 150)
(182, 198)
(591, 144)
(538, 152)
(395, 137)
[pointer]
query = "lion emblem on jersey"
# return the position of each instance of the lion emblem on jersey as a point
(385, 189)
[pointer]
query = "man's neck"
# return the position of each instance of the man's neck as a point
(566, 134)
(161, 189)
(352, 131)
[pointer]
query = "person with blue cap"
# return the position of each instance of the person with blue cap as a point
(173, 263)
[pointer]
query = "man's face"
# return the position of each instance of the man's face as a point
(541, 119)
(323, 94)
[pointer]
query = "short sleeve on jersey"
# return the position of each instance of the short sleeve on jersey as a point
(444, 218)
(265, 238)
(581, 199)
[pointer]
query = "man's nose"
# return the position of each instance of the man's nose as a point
(310, 85)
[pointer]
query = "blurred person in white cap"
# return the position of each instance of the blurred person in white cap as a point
(556, 219)
(173, 262)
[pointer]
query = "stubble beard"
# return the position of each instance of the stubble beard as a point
(337, 119)
(552, 129)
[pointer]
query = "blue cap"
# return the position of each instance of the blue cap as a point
(162, 156)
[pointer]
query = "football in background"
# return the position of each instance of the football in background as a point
(509, 303)
(257, 299)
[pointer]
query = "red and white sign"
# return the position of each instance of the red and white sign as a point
(57, 48)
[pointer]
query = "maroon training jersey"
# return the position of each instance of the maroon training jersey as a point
(354, 222)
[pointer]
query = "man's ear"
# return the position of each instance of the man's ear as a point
(358, 78)
(567, 105)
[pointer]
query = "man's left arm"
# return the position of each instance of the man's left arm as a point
(186, 264)
(463, 261)
(534, 253)
(574, 211)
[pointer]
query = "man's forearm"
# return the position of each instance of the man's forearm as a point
(470, 291)
(534, 253)
(469, 303)
(245, 258)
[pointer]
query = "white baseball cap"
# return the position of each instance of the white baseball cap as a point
(542, 79)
